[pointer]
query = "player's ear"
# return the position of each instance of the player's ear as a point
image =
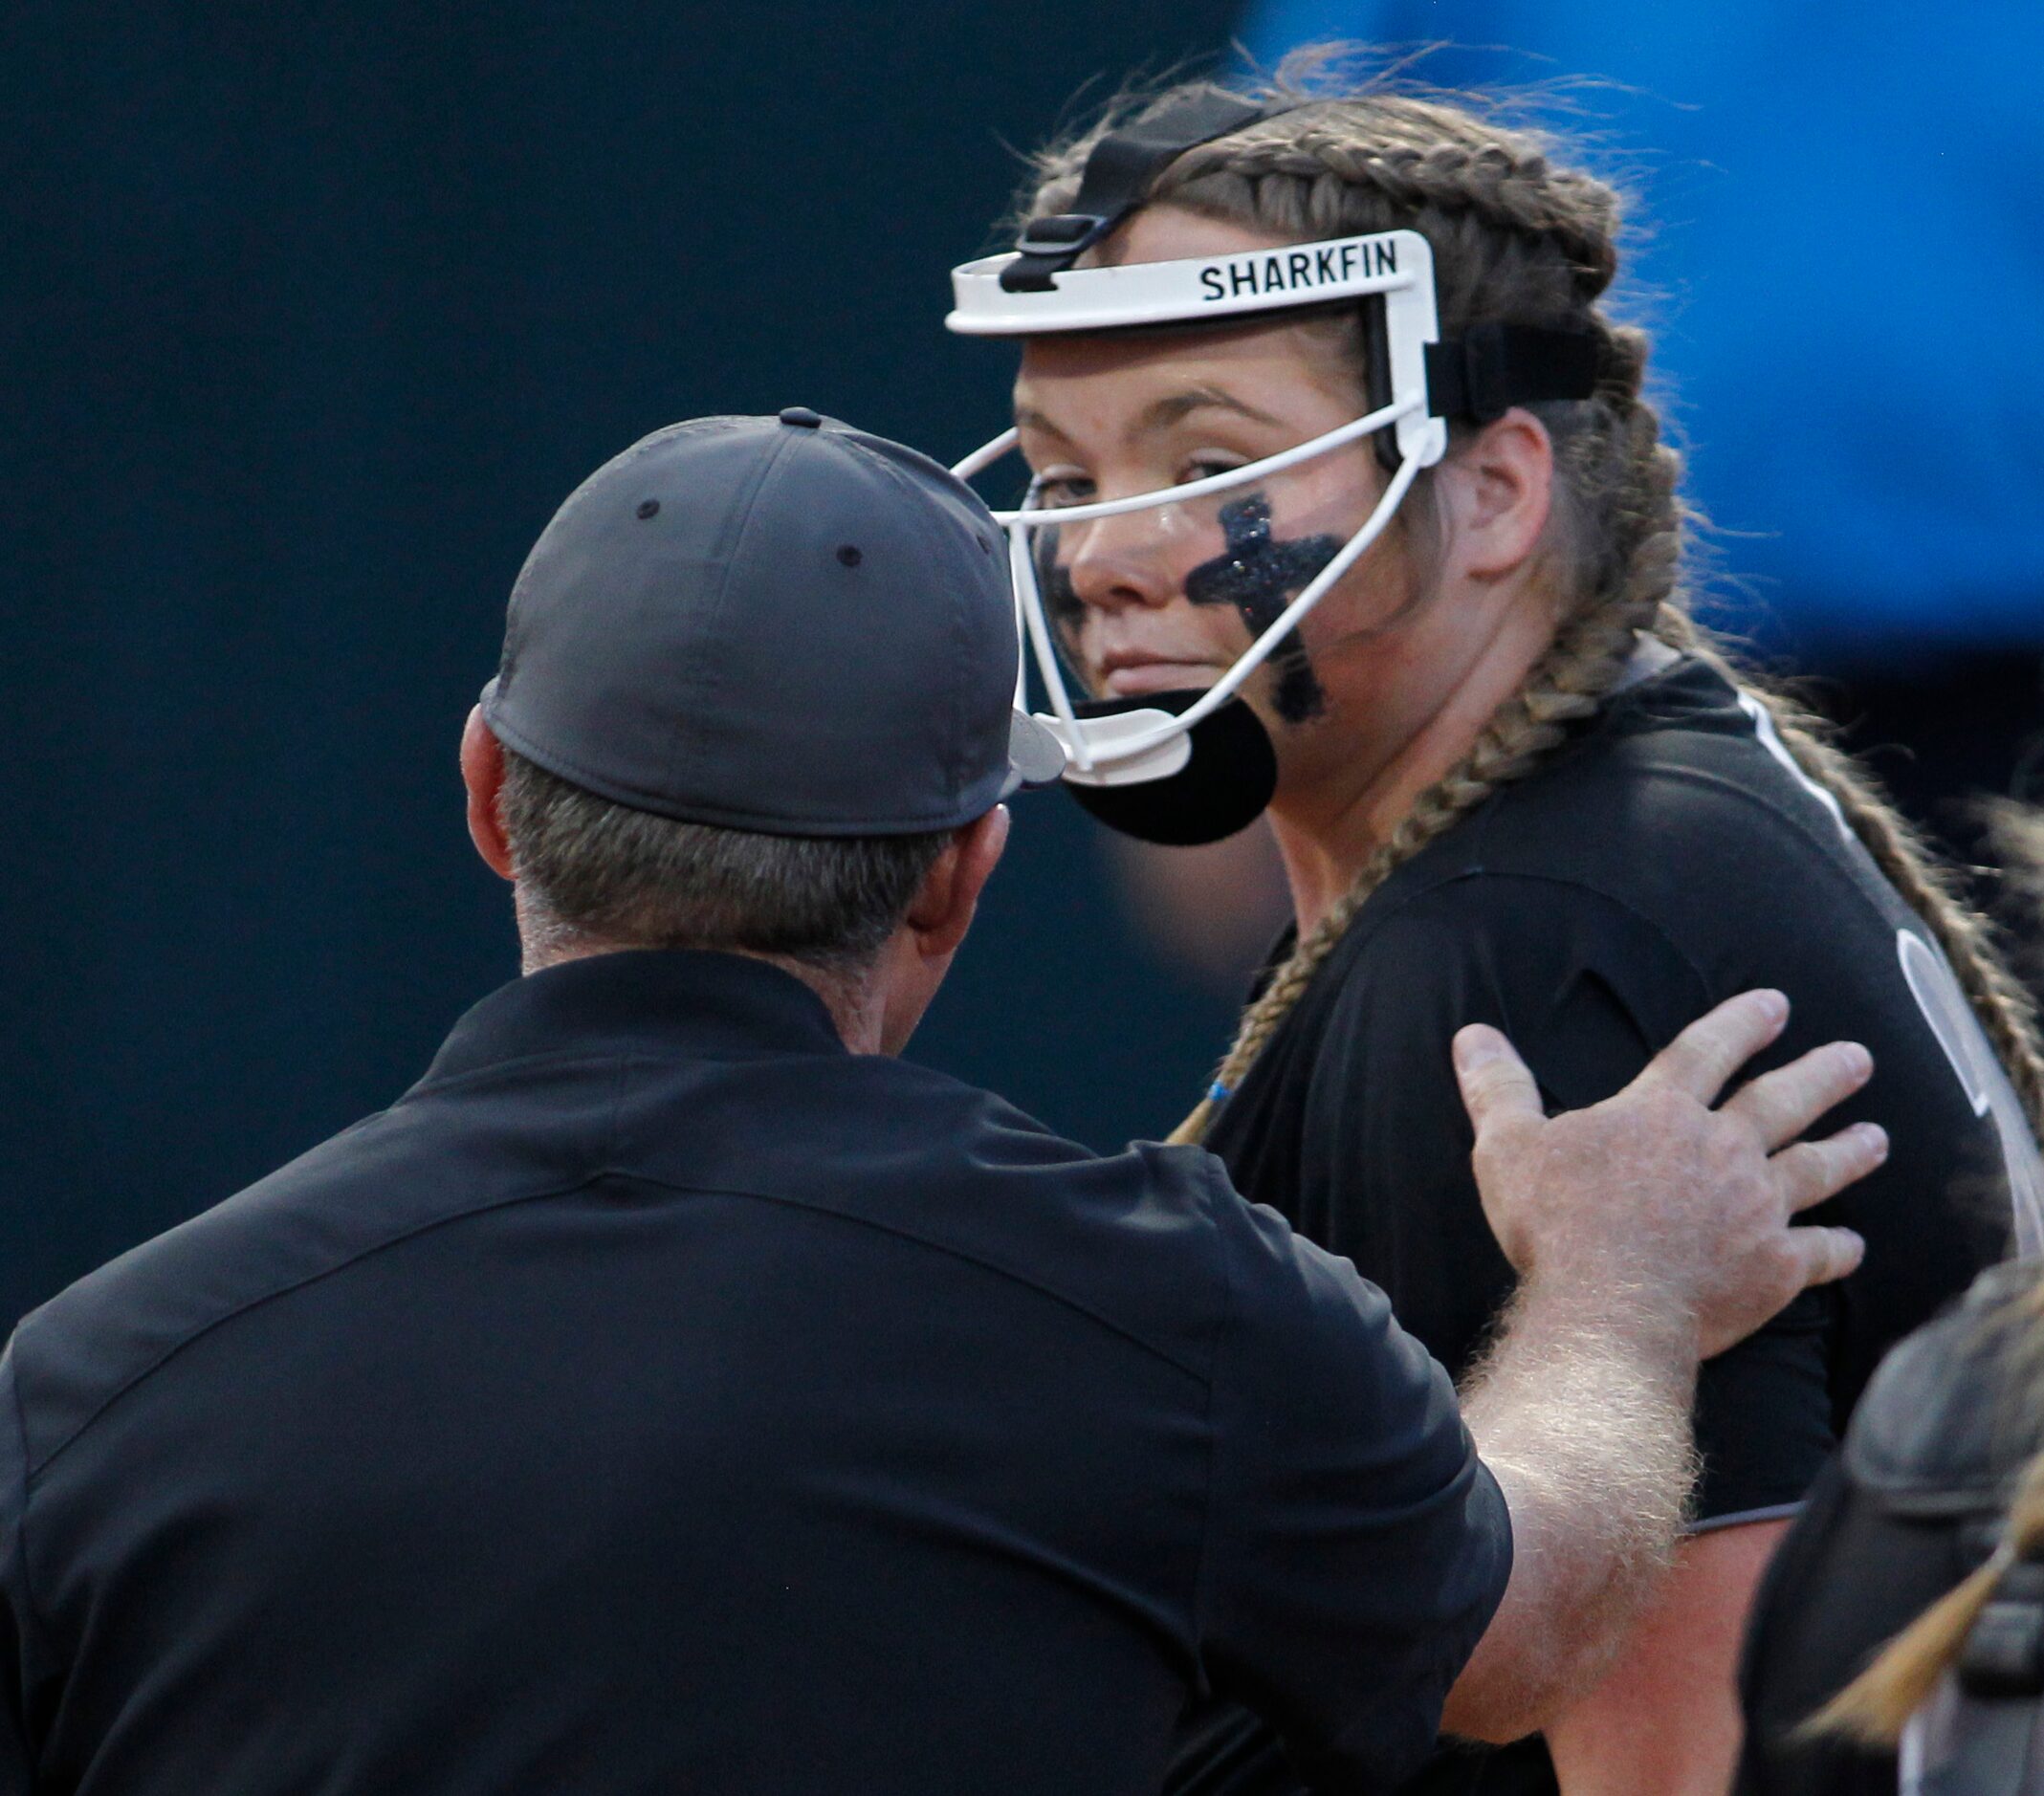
(1496, 490)
(482, 773)
(943, 906)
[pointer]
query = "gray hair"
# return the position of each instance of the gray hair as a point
(590, 869)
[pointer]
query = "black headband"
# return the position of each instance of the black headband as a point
(1479, 376)
(1489, 368)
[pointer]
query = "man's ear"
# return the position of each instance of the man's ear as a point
(1497, 489)
(942, 908)
(482, 772)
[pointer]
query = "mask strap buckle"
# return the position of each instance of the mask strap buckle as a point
(1117, 179)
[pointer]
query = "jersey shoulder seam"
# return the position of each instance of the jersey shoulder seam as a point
(1470, 875)
(950, 1250)
(34, 1471)
(1649, 766)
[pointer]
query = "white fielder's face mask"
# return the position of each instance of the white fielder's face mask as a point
(1167, 598)
(1134, 745)
(1196, 765)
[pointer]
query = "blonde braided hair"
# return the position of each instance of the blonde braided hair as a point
(1519, 238)
(1585, 662)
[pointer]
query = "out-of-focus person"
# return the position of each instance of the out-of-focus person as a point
(1922, 1550)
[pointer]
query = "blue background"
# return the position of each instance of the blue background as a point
(1843, 268)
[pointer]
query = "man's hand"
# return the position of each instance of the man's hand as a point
(1687, 1205)
(1649, 1231)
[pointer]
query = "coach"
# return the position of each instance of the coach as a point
(674, 1391)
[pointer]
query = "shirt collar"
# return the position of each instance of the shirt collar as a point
(675, 1001)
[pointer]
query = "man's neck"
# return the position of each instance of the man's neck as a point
(850, 1000)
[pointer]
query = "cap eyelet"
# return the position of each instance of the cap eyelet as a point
(850, 554)
(647, 508)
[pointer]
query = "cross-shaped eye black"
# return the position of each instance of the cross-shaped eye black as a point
(1259, 574)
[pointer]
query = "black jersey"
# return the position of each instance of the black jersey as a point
(1668, 858)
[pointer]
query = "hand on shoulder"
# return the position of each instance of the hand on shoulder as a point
(1657, 1193)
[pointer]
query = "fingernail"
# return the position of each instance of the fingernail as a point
(1859, 1059)
(1775, 1005)
(1876, 1138)
(1474, 1049)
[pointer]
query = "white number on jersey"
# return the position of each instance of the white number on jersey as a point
(1951, 1020)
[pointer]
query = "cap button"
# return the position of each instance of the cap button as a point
(802, 415)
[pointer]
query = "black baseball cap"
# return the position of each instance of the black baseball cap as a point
(779, 625)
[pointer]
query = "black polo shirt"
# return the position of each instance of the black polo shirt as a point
(1668, 858)
(660, 1398)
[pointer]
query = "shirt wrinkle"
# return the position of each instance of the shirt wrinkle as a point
(37, 1472)
(1567, 882)
(1202, 1566)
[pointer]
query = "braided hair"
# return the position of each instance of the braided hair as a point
(1519, 237)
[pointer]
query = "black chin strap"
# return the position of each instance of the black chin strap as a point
(1117, 179)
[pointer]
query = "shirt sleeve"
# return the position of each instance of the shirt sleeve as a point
(15, 1646)
(1589, 991)
(1356, 1545)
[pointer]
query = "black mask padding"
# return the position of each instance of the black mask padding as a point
(1223, 788)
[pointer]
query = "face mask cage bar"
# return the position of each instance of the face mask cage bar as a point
(1147, 743)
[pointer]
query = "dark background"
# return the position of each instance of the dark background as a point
(312, 315)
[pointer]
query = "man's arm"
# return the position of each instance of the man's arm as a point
(1666, 1718)
(1648, 1233)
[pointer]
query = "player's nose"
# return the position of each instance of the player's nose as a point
(1116, 563)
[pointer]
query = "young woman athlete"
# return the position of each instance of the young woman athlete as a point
(1513, 781)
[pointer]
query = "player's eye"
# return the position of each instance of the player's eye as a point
(1062, 487)
(1206, 466)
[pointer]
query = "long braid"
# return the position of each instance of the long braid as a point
(2005, 1008)
(1585, 661)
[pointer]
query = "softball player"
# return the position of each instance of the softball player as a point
(1345, 499)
